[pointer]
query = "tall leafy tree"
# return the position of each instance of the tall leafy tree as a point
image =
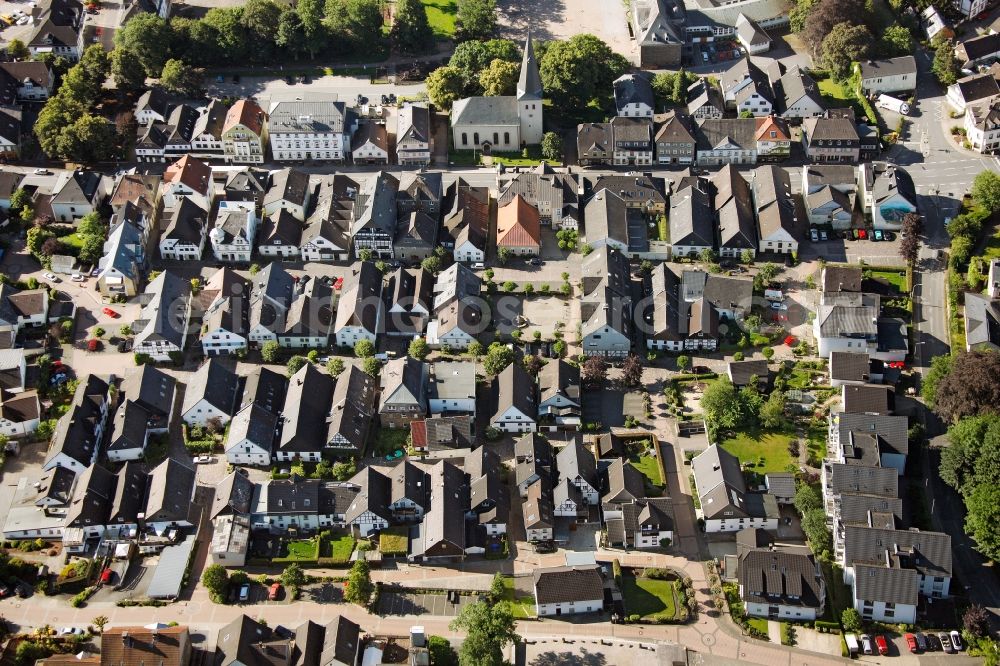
(983, 517)
(232, 38)
(445, 86)
(970, 387)
(500, 78)
(945, 66)
(359, 584)
(488, 628)
(823, 15)
(127, 71)
(260, 18)
(359, 20)
(845, 44)
(577, 70)
(311, 14)
(474, 57)
(290, 33)
(476, 19)
(986, 190)
(149, 38)
(180, 78)
(895, 41)
(17, 50)
(411, 31)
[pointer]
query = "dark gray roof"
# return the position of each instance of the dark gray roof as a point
(359, 304)
(246, 642)
(533, 446)
(632, 130)
(780, 484)
(856, 507)
(575, 460)
(307, 405)
(625, 483)
(216, 384)
(890, 180)
(289, 185)
(265, 388)
(824, 128)
(485, 111)
(752, 538)
(515, 388)
(701, 93)
(292, 496)
(233, 495)
(841, 279)
(774, 576)
(772, 196)
(691, 218)
(442, 531)
(375, 491)
(848, 478)
(74, 434)
(375, 205)
(982, 320)
(341, 642)
(412, 483)
(740, 372)
(849, 366)
(307, 117)
(481, 461)
(879, 583)
(927, 552)
(559, 378)
(720, 481)
(873, 69)
(633, 89)
(537, 508)
(714, 132)
(255, 424)
(793, 86)
(529, 83)
(892, 335)
(92, 498)
(594, 139)
(57, 485)
(352, 407)
(171, 488)
(557, 585)
(150, 387)
(724, 292)
(281, 228)
(868, 399)
(891, 429)
(185, 222)
(737, 228)
(977, 86)
(128, 427)
(130, 490)
(81, 188)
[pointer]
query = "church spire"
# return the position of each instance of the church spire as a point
(529, 84)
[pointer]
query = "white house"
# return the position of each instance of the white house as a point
(313, 131)
(184, 231)
(370, 144)
(798, 593)
(568, 590)
(360, 310)
(889, 75)
(634, 96)
(187, 178)
(413, 135)
(726, 505)
(235, 228)
(982, 125)
(251, 436)
(516, 410)
(369, 511)
(129, 433)
(829, 192)
(211, 394)
(455, 326)
(776, 222)
(887, 193)
(19, 413)
(162, 326)
(224, 328)
(452, 388)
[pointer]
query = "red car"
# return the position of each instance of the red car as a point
(862, 234)
(883, 647)
(911, 642)
(110, 313)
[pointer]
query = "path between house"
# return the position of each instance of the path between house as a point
(774, 631)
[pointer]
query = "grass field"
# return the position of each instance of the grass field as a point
(834, 94)
(388, 440)
(341, 548)
(303, 550)
(521, 606)
(650, 598)
(648, 466)
(393, 542)
(897, 279)
(441, 15)
(758, 623)
(754, 445)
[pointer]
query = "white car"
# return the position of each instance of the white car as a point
(51, 277)
(76, 277)
(42, 172)
(71, 631)
(775, 305)
(956, 639)
(203, 460)
(813, 235)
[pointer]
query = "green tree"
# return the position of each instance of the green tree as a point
(807, 498)
(985, 190)
(445, 85)
(371, 366)
(441, 651)
(983, 505)
(552, 146)
(364, 348)
(720, 404)
(180, 78)
(497, 587)
(418, 349)
(431, 264)
(746, 256)
(498, 357)
(896, 41)
(503, 255)
(772, 413)
(577, 70)
(707, 256)
(215, 578)
(472, 57)
(17, 50)
(683, 362)
(945, 66)
(311, 14)
(261, 19)
(100, 622)
(89, 139)
(850, 619)
(476, 19)
(488, 628)
(359, 584)
(499, 78)
(475, 348)
(293, 577)
(411, 31)
(19, 200)
(335, 366)
(342, 471)
(360, 20)
(127, 71)
(269, 351)
(844, 45)
(295, 364)
(291, 35)
(816, 531)
(148, 37)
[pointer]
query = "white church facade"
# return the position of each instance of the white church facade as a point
(505, 123)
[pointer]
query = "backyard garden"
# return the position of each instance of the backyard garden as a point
(656, 596)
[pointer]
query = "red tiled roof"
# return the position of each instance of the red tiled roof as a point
(769, 123)
(245, 112)
(192, 172)
(519, 224)
(418, 434)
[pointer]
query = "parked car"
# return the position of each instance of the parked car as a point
(862, 234)
(945, 641)
(921, 641)
(813, 235)
(956, 639)
(111, 313)
(203, 460)
(51, 277)
(72, 631)
(77, 277)
(866, 644)
(244, 592)
(933, 643)
(823, 236)
(883, 646)
(877, 235)
(42, 172)
(888, 235)
(274, 591)
(911, 642)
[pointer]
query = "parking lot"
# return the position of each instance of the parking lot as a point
(10, 33)
(411, 603)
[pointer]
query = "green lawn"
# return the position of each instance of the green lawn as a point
(650, 598)
(896, 279)
(648, 466)
(393, 541)
(302, 550)
(520, 606)
(441, 15)
(72, 240)
(753, 445)
(758, 623)
(341, 548)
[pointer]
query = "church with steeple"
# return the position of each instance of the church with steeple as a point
(503, 124)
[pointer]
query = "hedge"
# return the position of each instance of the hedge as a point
(830, 627)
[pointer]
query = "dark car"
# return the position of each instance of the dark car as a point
(290, 80)
(236, 78)
(933, 644)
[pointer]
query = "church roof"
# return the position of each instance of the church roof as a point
(529, 84)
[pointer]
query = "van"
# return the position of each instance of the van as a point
(478, 266)
(774, 295)
(852, 644)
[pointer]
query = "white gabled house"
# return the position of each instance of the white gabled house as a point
(235, 228)
(516, 410)
(211, 394)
